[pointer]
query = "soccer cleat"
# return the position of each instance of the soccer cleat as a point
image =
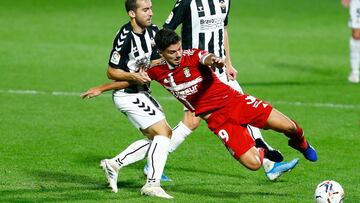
(164, 177)
(280, 168)
(271, 154)
(154, 191)
(110, 173)
(354, 77)
(309, 153)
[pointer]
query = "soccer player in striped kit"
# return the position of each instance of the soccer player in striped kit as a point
(133, 48)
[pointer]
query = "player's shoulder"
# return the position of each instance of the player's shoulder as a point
(122, 37)
(124, 31)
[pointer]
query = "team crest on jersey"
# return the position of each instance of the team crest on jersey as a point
(187, 72)
(115, 58)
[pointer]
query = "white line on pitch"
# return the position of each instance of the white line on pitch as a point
(310, 104)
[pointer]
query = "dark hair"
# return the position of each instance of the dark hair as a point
(130, 5)
(166, 37)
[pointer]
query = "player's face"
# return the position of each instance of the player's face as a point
(143, 13)
(173, 54)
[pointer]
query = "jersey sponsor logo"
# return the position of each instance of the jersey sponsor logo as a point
(186, 92)
(181, 91)
(115, 58)
(169, 18)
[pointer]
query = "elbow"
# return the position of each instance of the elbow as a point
(110, 74)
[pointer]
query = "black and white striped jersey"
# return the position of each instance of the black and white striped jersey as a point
(132, 50)
(202, 22)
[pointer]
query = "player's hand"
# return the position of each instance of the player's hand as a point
(141, 77)
(231, 72)
(217, 62)
(345, 3)
(92, 92)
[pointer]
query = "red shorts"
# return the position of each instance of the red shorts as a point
(230, 122)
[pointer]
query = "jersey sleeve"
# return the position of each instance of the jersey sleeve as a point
(120, 50)
(178, 14)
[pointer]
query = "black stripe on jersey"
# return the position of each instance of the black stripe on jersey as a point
(201, 41)
(211, 43)
(200, 8)
(134, 49)
(220, 43)
(212, 7)
(143, 43)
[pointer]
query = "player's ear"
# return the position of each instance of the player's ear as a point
(131, 13)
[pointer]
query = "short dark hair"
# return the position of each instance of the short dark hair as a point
(166, 37)
(130, 5)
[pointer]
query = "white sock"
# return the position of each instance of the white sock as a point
(256, 134)
(355, 55)
(267, 164)
(133, 153)
(179, 133)
(157, 156)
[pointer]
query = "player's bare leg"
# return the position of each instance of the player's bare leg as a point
(252, 159)
(281, 123)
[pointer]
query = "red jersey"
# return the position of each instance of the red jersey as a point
(193, 84)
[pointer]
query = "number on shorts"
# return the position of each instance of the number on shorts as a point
(223, 135)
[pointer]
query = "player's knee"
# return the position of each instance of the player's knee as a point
(251, 159)
(160, 128)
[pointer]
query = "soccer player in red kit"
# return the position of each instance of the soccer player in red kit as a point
(187, 75)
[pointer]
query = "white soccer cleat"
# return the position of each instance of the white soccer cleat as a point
(110, 173)
(354, 77)
(155, 191)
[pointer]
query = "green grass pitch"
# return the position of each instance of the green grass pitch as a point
(293, 54)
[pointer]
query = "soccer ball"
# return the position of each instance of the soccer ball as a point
(329, 191)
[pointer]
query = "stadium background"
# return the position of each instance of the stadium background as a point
(293, 54)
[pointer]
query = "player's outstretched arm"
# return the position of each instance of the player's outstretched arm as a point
(96, 91)
(231, 72)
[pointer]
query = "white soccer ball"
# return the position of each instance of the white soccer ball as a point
(329, 191)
